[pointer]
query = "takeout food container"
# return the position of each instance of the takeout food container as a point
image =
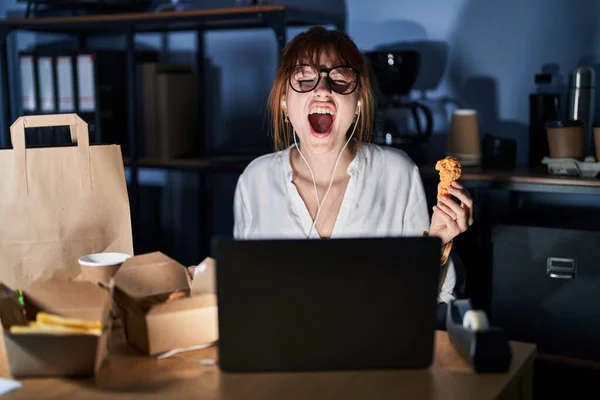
(155, 324)
(53, 354)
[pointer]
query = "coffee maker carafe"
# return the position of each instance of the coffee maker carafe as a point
(394, 74)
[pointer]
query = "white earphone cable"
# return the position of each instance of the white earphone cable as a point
(311, 172)
(319, 204)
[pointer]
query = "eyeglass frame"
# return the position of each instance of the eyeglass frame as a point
(321, 71)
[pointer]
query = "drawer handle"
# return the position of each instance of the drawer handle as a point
(561, 268)
(561, 276)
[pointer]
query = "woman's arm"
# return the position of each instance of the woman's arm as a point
(447, 282)
(416, 221)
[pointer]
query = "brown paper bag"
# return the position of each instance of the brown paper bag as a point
(59, 203)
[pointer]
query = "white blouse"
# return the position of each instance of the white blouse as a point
(384, 197)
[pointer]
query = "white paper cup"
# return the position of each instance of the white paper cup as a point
(100, 267)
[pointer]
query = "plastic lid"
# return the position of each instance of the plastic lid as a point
(582, 77)
(543, 78)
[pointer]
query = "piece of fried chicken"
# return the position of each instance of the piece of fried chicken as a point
(450, 170)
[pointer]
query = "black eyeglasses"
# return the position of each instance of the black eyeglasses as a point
(341, 79)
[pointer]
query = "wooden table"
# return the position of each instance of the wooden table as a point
(128, 374)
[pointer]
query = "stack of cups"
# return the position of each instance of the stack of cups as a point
(566, 139)
(463, 140)
(100, 267)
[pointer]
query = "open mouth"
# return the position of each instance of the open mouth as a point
(321, 119)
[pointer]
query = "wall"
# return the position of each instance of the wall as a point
(494, 49)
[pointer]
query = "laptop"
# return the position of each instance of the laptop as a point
(336, 304)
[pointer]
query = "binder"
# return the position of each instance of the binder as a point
(177, 113)
(46, 85)
(91, 83)
(28, 86)
(148, 109)
(169, 110)
(87, 82)
(66, 95)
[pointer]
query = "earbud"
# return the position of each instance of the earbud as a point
(358, 107)
(283, 104)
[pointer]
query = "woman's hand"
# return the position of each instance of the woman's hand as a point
(449, 218)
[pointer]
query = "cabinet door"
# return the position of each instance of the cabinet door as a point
(546, 288)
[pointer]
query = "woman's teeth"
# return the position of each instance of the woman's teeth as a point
(320, 110)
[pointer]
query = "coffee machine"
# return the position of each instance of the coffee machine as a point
(400, 121)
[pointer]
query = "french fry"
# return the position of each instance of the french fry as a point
(51, 319)
(54, 324)
(52, 329)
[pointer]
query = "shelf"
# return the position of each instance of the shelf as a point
(234, 163)
(202, 19)
(275, 17)
(521, 179)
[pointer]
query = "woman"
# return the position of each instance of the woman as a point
(324, 180)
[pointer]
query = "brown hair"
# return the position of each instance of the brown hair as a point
(311, 45)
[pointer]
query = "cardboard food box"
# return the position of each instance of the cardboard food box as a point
(154, 323)
(50, 354)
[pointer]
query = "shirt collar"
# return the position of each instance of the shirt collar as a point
(355, 165)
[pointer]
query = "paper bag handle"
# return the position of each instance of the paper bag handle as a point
(79, 135)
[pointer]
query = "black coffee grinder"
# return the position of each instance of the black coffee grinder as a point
(394, 74)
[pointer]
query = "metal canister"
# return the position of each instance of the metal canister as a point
(580, 101)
